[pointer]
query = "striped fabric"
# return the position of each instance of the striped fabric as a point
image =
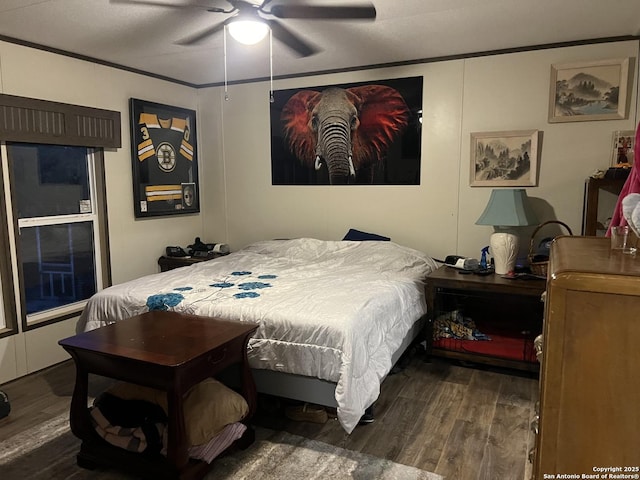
(132, 439)
(219, 443)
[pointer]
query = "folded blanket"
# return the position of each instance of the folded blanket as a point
(135, 425)
(145, 428)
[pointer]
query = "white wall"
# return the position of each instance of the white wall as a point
(239, 205)
(511, 92)
(494, 93)
(256, 210)
(135, 245)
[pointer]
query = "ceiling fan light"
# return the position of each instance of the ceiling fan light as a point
(248, 32)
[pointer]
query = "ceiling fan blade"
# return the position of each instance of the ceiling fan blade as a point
(310, 12)
(158, 3)
(203, 34)
(291, 40)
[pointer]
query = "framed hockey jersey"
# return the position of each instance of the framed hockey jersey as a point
(164, 159)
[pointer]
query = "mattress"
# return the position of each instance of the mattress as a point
(335, 310)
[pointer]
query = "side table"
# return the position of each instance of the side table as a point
(163, 350)
(512, 307)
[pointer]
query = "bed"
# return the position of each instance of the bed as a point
(334, 315)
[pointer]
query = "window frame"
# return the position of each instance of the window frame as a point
(7, 287)
(98, 217)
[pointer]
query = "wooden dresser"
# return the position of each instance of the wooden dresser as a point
(590, 372)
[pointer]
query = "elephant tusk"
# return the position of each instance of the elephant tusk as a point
(318, 162)
(352, 171)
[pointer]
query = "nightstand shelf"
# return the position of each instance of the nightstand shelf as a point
(169, 263)
(509, 311)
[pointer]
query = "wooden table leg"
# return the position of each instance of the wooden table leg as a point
(79, 420)
(177, 442)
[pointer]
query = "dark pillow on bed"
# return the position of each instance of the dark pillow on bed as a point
(357, 235)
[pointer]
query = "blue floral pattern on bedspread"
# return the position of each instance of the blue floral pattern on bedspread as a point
(253, 285)
(163, 301)
(246, 295)
(169, 300)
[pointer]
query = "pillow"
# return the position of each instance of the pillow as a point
(357, 235)
(208, 406)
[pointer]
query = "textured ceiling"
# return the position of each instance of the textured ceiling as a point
(142, 37)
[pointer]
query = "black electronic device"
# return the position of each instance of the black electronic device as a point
(175, 252)
(199, 246)
(200, 254)
(484, 271)
(462, 263)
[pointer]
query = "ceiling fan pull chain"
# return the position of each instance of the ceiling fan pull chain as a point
(271, 99)
(224, 41)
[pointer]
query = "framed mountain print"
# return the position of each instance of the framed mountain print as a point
(164, 159)
(587, 91)
(504, 159)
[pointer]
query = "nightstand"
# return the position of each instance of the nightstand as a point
(169, 263)
(509, 311)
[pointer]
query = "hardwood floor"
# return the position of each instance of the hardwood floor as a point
(461, 422)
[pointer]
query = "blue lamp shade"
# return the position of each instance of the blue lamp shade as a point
(508, 207)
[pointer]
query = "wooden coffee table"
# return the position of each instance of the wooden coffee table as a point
(163, 350)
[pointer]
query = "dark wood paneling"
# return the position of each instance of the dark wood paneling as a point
(40, 121)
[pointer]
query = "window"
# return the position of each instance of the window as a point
(59, 233)
(61, 145)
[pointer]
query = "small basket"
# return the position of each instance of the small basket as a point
(540, 267)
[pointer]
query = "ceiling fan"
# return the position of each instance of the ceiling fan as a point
(264, 16)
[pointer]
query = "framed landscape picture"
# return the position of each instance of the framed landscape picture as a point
(589, 91)
(164, 159)
(504, 159)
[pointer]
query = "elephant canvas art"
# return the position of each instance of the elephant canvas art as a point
(348, 134)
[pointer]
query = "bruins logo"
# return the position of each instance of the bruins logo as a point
(166, 155)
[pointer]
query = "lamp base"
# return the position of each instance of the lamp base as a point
(504, 249)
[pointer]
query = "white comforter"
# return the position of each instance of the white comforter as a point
(332, 310)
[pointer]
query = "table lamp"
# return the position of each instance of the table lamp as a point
(507, 207)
